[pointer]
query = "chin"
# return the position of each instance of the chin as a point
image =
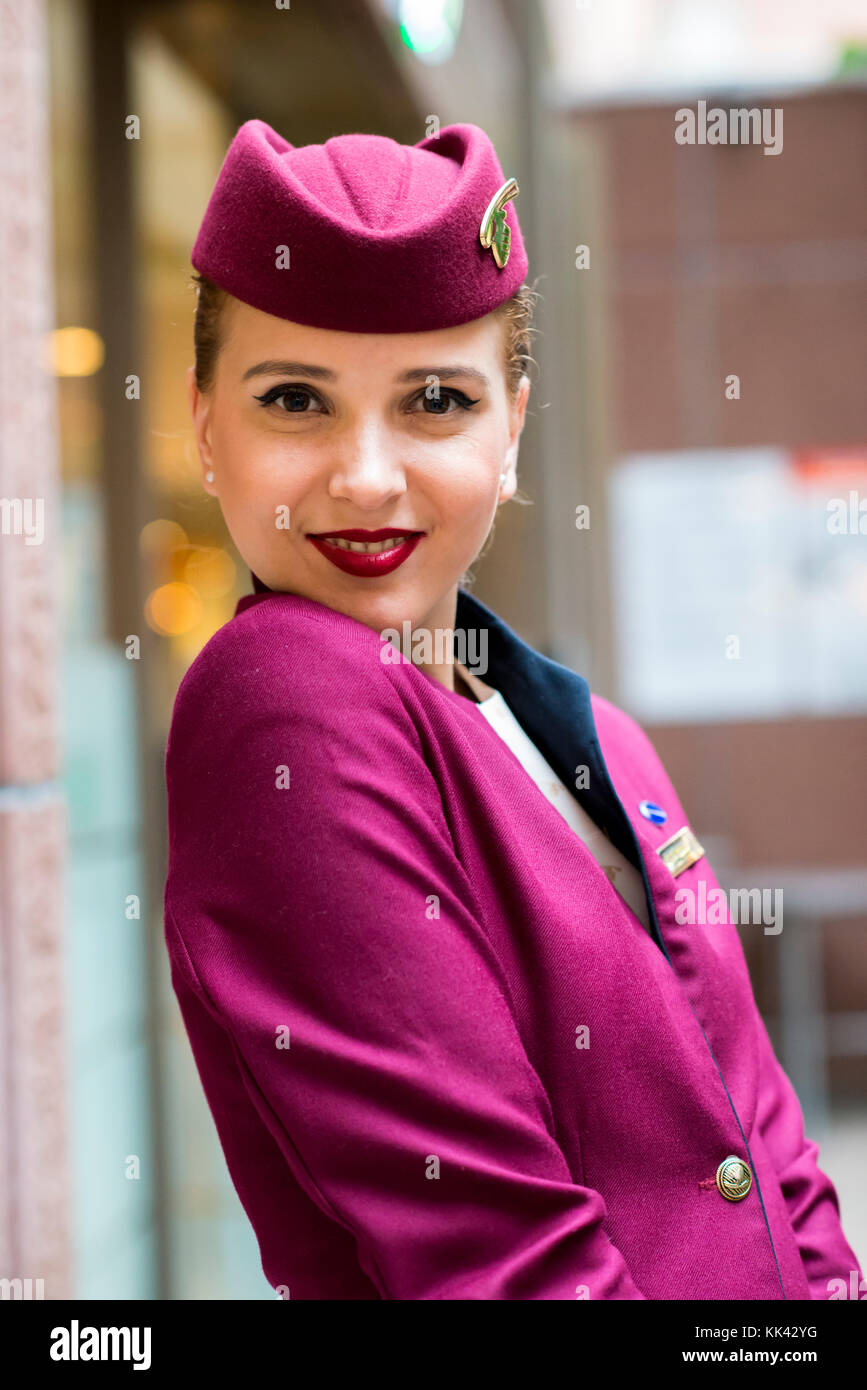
(377, 610)
(385, 610)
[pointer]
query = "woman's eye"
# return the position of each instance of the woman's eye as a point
(295, 398)
(447, 395)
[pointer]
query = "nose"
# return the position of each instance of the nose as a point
(366, 467)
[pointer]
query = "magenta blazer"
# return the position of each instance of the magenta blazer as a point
(444, 1058)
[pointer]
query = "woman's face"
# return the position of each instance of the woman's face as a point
(311, 431)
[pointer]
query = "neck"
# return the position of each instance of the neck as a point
(468, 684)
(441, 618)
(452, 674)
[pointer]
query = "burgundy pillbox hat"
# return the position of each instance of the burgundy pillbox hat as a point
(364, 234)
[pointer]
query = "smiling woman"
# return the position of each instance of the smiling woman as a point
(291, 395)
(423, 928)
(379, 448)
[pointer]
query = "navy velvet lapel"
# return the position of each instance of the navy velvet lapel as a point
(553, 706)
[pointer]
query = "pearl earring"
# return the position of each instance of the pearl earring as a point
(209, 476)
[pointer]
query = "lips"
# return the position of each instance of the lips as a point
(350, 551)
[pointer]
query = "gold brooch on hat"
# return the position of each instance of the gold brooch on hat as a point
(494, 233)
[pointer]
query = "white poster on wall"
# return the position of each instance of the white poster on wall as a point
(740, 583)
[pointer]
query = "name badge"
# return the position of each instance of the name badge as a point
(680, 852)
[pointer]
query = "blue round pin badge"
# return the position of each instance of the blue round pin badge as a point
(651, 811)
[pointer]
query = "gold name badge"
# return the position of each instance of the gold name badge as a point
(680, 852)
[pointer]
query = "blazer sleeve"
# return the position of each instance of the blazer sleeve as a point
(327, 923)
(810, 1195)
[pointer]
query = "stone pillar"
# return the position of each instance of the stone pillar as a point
(35, 1182)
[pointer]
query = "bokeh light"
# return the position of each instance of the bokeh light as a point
(173, 609)
(209, 570)
(75, 351)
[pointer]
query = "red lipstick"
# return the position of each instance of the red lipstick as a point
(367, 564)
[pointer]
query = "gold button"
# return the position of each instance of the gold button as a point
(733, 1179)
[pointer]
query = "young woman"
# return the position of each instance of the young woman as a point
(456, 1038)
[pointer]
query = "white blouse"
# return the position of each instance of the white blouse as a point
(621, 874)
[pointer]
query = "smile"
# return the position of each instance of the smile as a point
(367, 555)
(366, 547)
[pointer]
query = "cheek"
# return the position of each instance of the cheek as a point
(255, 475)
(464, 513)
(468, 463)
(469, 484)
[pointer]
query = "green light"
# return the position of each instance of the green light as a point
(429, 28)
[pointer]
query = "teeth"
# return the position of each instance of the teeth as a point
(366, 547)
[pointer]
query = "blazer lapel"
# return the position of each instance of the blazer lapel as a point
(552, 703)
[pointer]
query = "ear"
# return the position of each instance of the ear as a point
(200, 410)
(517, 417)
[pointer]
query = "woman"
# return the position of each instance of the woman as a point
(421, 917)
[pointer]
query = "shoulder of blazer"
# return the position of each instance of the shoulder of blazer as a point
(286, 657)
(281, 636)
(615, 725)
(631, 754)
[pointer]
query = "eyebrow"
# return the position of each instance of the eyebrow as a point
(277, 367)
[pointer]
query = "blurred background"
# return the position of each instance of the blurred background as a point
(701, 390)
